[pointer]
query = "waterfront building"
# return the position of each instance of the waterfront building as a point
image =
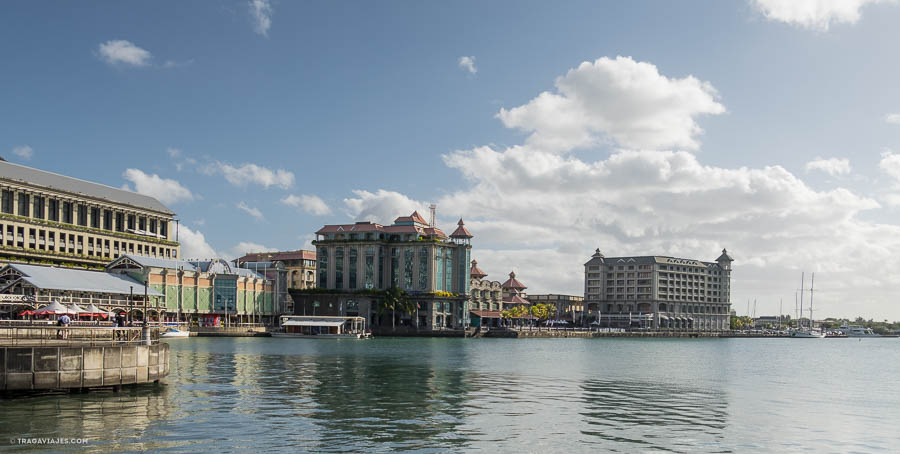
(300, 265)
(356, 262)
(659, 292)
(47, 218)
(568, 307)
(211, 292)
(484, 294)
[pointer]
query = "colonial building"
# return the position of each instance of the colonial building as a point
(659, 292)
(46, 218)
(484, 294)
(300, 265)
(357, 261)
(204, 292)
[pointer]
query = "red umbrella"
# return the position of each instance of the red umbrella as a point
(26, 313)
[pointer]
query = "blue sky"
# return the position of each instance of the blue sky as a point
(763, 126)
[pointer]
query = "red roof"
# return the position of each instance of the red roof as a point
(516, 299)
(350, 228)
(476, 272)
(461, 231)
(274, 256)
(512, 282)
(414, 217)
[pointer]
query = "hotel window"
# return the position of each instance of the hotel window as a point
(423, 268)
(408, 259)
(38, 208)
(23, 204)
(323, 268)
(53, 210)
(107, 220)
(339, 268)
(153, 226)
(131, 220)
(395, 267)
(82, 215)
(448, 270)
(67, 213)
(353, 266)
(95, 217)
(370, 267)
(7, 205)
(120, 222)
(142, 224)
(164, 228)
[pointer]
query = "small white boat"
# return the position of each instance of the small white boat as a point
(858, 331)
(807, 333)
(171, 332)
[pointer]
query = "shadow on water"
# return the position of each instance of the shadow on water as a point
(632, 415)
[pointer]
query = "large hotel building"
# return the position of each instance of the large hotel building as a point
(659, 292)
(46, 218)
(355, 261)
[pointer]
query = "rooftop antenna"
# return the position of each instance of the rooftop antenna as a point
(433, 208)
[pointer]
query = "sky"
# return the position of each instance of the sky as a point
(768, 127)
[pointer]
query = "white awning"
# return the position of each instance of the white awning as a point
(313, 323)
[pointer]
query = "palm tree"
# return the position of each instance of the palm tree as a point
(393, 299)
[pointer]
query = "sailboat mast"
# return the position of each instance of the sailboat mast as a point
(802, 290)
(812, 283)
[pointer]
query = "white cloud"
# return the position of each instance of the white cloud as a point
(243, 248)
(194, 245)
(814, 14)
(893, 119)
(890, 165)
(248, 173)
(24, 152)
(382, 206)
(831, 166)
(163, 189)
(309, 203)
(261, 13)
(250, 210)
(543, 213)
(468, 64)
(123, 52)
(174, 153)
(620, 100)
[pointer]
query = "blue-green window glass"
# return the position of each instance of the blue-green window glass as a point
(226, 295)
(395, 267)
(423, 268)
(339, 268)
(448, 270)
(370, 267)
(439, 269)
(353, 266)
(323, 268)
(408, 258)
(380, 267)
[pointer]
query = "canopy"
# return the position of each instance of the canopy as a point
(94, 310)
(53, 308)
(76, 309)
(313, 323)
(663, 317)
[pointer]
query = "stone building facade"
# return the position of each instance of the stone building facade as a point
(659, 292)
(300, 265)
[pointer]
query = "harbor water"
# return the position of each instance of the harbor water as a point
(493, 395)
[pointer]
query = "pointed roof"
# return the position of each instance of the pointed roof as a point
(513, 283)
(516, 299)
(724, 257)
(461, 231)
(597, 259)
(415, 218)
(476, 272)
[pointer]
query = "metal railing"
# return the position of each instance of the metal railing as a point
(29, 336)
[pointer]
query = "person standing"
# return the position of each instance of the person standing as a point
(63, 323)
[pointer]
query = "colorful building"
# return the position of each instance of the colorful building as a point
(300, 265)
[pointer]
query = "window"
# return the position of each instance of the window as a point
(353, 266)
(23, 204)
(38, 208)
(82, 215)
(370, 267)
(339, 268)
(142, 224)
(395, 267)
(95, 217)
(53, 210)
(323, 268)
(67, 213)
(131, 220)
(107, 220)
(7, 205)
(120, 222)
(153, 226)
(164, 228)
(408, 258)
(423, 268)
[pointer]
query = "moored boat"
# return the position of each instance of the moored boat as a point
(322, 327)
(172, 332)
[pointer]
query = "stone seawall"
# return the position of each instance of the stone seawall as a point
(525, 334)
(81, 367)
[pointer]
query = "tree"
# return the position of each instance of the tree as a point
(542, 311)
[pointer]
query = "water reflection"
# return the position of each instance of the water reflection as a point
(655, 416)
